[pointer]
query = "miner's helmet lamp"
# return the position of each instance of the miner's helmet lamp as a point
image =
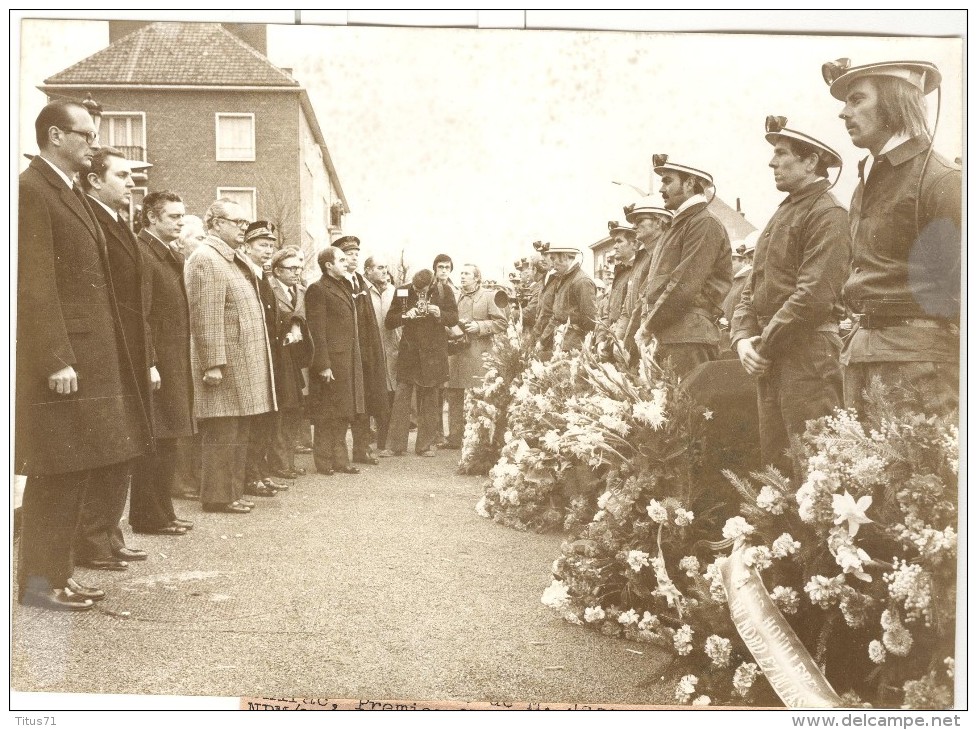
(776, 128)
(839, 74)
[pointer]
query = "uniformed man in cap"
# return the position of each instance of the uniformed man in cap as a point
(260, 238)
(625, 249)
(650, 223)
(691, 272)
(904, 286)
(574, 301)
(742, 268)
(785, 326)
(371, 354)
(541, 301)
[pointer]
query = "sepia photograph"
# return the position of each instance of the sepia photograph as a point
(487, 360)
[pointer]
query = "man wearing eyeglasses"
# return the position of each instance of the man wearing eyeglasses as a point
(78, 415)
(229, 356)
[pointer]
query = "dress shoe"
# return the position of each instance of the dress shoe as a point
(367, 459)
(260, 489)
(288, 473)
(56, 600)
(303, 449)
(441, 444)
(245, 503)
(429, 452)
(185, 524)
(385, 453)
(187, 495)
(451, 446)
(326, 472)
(105, 564)
(125, 553)
(349, 469)
(277, 486)
(171, 529)
(92, 594)
(233, 509)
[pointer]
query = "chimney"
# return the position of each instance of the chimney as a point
(739, 209)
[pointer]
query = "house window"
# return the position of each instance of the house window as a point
(125, 131)
(247, 198)
(235, 137)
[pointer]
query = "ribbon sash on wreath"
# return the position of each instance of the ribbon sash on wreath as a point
(787, 665)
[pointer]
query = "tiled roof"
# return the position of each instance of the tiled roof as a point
(203, 54)
(737, 226)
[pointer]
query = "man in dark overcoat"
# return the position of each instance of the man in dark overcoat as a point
(371, 351)
(336, 375)
(422, 311)
(170, 469)
(292, 356)
(109, 184)
(78, 412)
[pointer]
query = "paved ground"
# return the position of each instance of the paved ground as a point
(380, 585)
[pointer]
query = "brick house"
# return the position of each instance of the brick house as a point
(203, 104)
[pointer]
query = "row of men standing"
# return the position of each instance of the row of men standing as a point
(87, 367)
(113, 334)
(890, 267)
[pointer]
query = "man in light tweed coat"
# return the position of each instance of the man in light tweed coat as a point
(229, 356)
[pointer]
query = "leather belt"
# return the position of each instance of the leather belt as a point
(826, 327)
(876, 321)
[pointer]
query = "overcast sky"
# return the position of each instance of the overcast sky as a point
(478, 142)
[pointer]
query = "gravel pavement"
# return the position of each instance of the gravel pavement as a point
(382, 585)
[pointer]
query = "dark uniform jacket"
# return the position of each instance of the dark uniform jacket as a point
(423, 356)
(690, 275)
(897, 273)
(544, 308)
(168, 316)
(619, 289)
(574, 302)
(801, 262)
(67, 315)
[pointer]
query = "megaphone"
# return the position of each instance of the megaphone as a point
(501, 298)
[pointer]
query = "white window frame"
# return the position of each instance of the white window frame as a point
(145, 140)
(217, 130)
(254, 197)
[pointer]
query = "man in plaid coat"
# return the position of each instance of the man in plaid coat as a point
(229, 355)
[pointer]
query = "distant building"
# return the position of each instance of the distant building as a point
(205, 106)
(735, 222)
